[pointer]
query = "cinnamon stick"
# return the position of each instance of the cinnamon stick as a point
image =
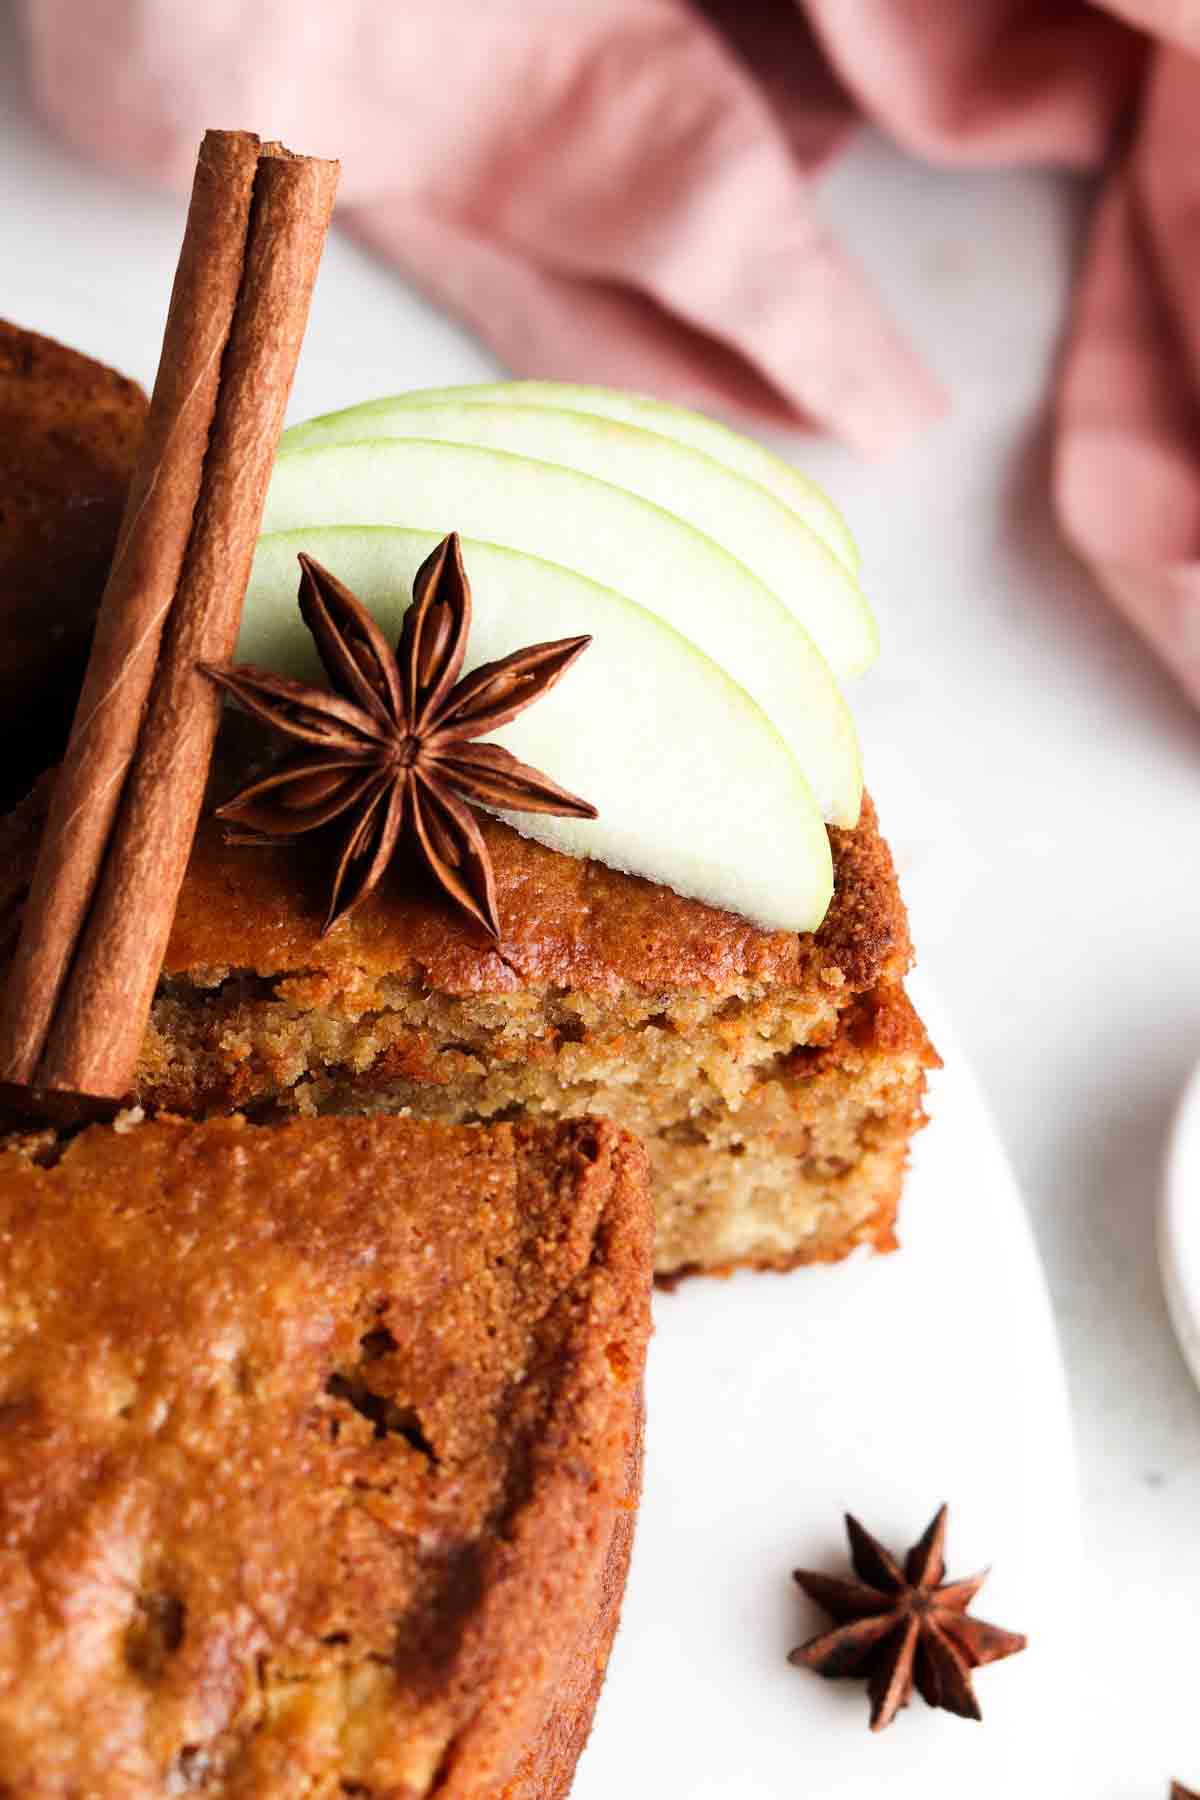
(95, 1025)
(97, 1032)
(138, 595)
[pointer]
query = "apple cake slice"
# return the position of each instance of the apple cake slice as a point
(776, 1079)
(320, 1449)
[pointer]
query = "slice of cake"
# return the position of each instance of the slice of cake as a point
(775, 1079)
(69, 431)
(319, 1454)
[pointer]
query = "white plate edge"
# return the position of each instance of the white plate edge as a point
(1179, 1224)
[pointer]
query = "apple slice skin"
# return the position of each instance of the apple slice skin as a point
(745, 456)
(695, 787)
(748, 521)
(611, 537)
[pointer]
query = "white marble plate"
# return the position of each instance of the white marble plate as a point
(884, 1386)
(1179, 1225)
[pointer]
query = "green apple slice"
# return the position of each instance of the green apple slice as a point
(694, 786)
(752, 524)
(611, 537)
(697, 430)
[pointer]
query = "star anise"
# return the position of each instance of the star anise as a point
(1179, 1792)
(903, 1625)
(390, 750)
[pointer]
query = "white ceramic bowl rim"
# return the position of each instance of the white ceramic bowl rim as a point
(1179, 1224)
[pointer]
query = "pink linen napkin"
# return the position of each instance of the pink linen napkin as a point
(623, 191)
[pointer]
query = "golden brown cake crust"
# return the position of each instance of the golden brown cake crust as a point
(69, 432)
(316, 1447)
(548, 1769)
(567, 922)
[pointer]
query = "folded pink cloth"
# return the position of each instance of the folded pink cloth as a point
(622, 191)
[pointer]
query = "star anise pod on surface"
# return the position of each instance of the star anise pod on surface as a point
(390, 749)
(900, 1626)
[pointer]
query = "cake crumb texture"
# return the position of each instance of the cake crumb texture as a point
(318, 1455)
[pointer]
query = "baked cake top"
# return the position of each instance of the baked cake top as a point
(293, 1424)
(69, 431)
(568, 922)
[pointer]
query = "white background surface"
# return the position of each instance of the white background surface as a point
(1037, 773)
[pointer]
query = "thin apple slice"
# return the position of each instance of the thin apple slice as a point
(695, 787)
(697, 430)
(611, 537)
(772, 541)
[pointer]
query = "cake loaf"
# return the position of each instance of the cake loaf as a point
(319, 1455)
